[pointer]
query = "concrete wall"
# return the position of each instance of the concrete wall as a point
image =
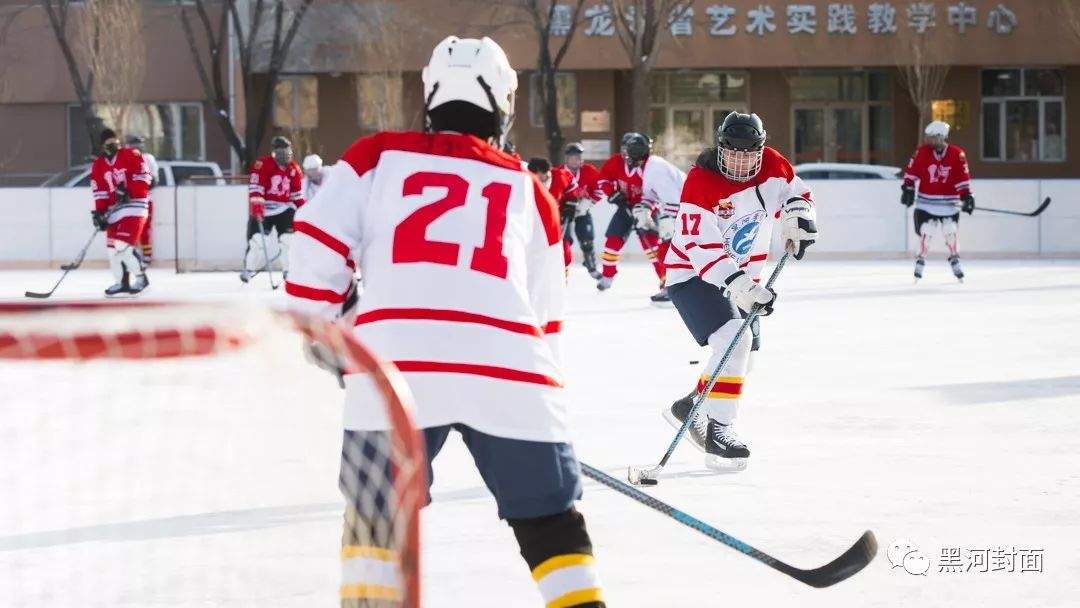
(41, 227)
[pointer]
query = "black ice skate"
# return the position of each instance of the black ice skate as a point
(118, 289)
(676, 415)
(604, 283)
(724, 451)
(589, 262)
(920, 264)
(139, 283)
(954, 261)
(661, 298)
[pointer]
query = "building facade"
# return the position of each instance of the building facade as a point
(832, 80)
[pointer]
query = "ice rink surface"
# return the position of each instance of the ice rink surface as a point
(944, 414)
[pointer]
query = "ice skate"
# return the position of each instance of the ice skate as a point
(139, 283)
(920, 264)
(245, 275)
(954, 262)
(589, 262)
(724, 451)
(661, 298)
(604, 283)
(676, 414)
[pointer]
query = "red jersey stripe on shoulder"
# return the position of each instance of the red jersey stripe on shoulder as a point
(365, 152)
(490, 371)
(322, 237)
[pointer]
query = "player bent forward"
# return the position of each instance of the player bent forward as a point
(120, 182)
(473, 327)
(732, 198)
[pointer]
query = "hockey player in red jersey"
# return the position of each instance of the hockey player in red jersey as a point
(275, 192)
(461, 255)
(621, 181)
(583, 193)
(557, 180)
(146, 243)
(944, 189)
(120, 183)
(734, 197)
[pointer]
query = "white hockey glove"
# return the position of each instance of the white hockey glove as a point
(797, 227)
(643, 218)
(745, 293)
(666, 227)
(584, 205)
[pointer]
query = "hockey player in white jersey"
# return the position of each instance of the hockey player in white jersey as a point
(462, 260)
(314, 175)
(733, 198)
(661, 187)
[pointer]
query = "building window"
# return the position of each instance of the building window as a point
(956, 112)
(379, 101)
(1023, 114)
(296, 103)
(565, 99)
(173, 131)
(842, 116)
(688, 106)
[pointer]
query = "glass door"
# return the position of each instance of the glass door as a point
(833, 133)
(809, 126)
(688, 131)
(845, 130)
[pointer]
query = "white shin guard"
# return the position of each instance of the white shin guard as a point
(722, 401)
(122, 257)
(256, 254)
(283, 243)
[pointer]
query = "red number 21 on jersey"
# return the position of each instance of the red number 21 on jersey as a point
(410, 237)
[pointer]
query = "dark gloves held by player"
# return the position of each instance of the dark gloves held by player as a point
(617, 199)
(100, 219)
(907, 199)
(967, 203)
(745, 293)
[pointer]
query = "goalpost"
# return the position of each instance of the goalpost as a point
(188, 454)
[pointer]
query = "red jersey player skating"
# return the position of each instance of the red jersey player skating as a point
(583, 193)
(944, 189)
(120, 183)
(275, 192)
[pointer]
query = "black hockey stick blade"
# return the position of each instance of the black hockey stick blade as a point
(1042, 207)
(37, 294)
(857, 557)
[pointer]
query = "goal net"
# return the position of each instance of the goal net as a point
(189, 454)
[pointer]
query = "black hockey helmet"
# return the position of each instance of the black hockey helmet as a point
(740, 142)
(636, 147)
(110, 144)
(280, 141)
(574, 148)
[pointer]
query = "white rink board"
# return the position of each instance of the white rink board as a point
(41, 226)
(941, 413)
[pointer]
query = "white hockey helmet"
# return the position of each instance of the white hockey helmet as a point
(312, 162)
(938, 128)
(474, 71)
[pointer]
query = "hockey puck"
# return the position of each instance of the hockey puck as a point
(647, 481)
(694, 361)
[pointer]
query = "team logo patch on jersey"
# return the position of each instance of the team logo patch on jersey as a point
(725, 209)
(741, 234)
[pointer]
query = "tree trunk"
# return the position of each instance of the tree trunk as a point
(552, 130)
(639, 97)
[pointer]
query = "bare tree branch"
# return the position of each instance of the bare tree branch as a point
(57, 12)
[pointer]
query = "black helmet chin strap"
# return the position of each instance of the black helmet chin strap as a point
(427, 107)
(501, 126)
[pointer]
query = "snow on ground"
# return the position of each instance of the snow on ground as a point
(945, 414)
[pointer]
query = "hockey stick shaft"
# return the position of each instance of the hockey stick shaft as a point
(850, 562)
(266, 256)
(1042, 207)
(67, 268)
(700, 397)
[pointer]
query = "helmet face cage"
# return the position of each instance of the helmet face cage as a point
(281, 150)
(739, 165)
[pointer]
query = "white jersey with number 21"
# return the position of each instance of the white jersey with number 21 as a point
(463, 280)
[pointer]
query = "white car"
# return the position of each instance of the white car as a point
(170, 173)
(847, 171)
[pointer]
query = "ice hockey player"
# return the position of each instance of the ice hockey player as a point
(464, 278)
(733, 197)
(557, 180)
(314, 175)
(944, 183)
(581, 196)
(146, 246)
(620, 180)
(661, 187)
(120, 183)
(275, 192)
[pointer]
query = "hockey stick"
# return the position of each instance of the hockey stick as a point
(259, 271)
(66, 268)
(849, 563)
(646, 476)
(1040, 209)
(266, 256)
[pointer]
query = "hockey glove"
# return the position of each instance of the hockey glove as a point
(745, 293)
(349, 306)
(643, 218)
(256, 209)
(324, 358)
(907, 198)
(617, 199)
(665, 226)
(100, 219)
(967, 203)
(797, 227)
(584, 205)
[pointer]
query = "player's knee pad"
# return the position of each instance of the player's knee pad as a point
(583, 230)
(256, 253)
(122, 258)
(720, 339)
(949, 227)
(559, 554)
(284, 241)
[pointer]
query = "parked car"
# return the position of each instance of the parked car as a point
(170, 173)
(847, 171)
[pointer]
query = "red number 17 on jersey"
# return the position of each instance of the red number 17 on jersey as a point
(410, 237)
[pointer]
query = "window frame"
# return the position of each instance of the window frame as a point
(864, 106)
(1040, 100)
(535, 107)
(294, 105)
(357, 85)
(176, 117)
